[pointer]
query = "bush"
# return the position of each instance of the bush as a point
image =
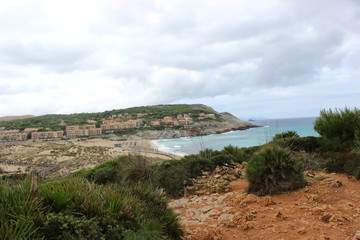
(348, 163)
(74, 208)
(307, 144)
(171, 178)
(272, 170)
(287, 134)
(340, 128)
(61, 226)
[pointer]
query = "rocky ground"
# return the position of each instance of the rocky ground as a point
(327, 209)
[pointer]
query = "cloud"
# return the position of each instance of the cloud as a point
(95, 55)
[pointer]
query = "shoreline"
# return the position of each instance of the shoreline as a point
(75, 154)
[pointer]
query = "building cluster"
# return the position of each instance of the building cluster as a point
(113, 123)
(47, 135)
(82, 130)
(183, 119)
(118, 125)
(12, 135)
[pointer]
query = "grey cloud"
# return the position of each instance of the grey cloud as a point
(58, 57)
(169, 51)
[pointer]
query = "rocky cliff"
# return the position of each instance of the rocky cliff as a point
(227, 123)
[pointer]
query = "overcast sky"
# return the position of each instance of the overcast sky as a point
(253, 58)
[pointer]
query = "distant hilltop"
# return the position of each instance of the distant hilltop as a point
(150, 122)
(10, 118)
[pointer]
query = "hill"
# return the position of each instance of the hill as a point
(10, 118)
(197, 119)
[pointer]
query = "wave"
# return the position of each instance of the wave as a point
(167, 149)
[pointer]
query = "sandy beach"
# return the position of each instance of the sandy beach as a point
(56, 158)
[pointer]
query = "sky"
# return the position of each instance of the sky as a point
(252, 58)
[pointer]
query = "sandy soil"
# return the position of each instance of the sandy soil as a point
(327, 209)
(70, 155)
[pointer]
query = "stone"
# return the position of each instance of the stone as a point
(326, 218)
(214, 213)
(279, 215)
(268, 201)
(205, 210)
(357, 236)
(310, 174)
(249, 217)
(302, 231)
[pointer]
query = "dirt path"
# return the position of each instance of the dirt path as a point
(327, 209)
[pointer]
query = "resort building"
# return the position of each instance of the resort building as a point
(168, 119)
(10, 137)
(10, 131)
(155, 123)
(82, 130)
(47, 135)
(104, 121)
(29, 130)
(121, 125)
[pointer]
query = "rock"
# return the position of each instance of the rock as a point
(336, 184)
(249, 217)
(214, 213)
(311, 197)
(279, 215)
(302, 231)
(310, 174)
(245, 226)
(250, 198)
(326, 218)
(205, 210)
(357, 236)
(268, 201)
(243, 165)
(226, 218)
(333, 182)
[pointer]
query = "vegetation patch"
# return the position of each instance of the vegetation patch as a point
(273, 170)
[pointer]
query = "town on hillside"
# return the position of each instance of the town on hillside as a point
(113, 123)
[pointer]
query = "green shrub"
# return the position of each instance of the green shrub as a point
(171, 178)
(272, 170)
(343, 162)
(287, 134)
(136, 169)
(334, 165)
(74, 208)
(20, 204)
(104, 175)
(307, 144)
(62, 226)
(235, 154)
(339, 127)
(357, 173)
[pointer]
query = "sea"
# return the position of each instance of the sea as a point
(242, 138)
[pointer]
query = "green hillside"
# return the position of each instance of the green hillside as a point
(58, 121)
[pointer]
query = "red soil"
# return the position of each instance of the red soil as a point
(327, 209)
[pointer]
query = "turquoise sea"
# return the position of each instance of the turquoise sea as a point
(244, 138)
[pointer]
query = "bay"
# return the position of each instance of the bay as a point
(243, 138)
